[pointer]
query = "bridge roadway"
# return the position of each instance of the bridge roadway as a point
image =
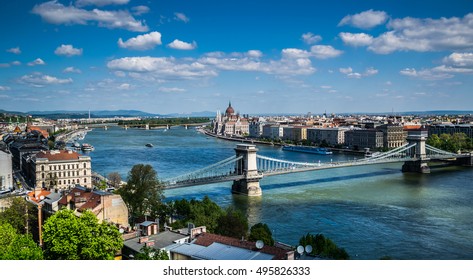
(247, 166)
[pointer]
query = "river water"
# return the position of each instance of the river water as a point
(371, 211)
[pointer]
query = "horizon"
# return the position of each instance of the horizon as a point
(165, 58)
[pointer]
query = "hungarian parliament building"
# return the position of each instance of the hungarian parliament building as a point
(229, 124)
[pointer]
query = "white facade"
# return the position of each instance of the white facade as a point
(332, 136)
(6, 172)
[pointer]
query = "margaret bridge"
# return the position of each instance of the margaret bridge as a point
(246, 168)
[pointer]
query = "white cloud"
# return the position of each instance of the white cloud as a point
(40, 80)
(142, 42)
(4, 88)
(140, 10)
(124, 86)
(365, 20)
(425, 74)
(67, 50)
(423, 35)
(16, 50)
(71, 70)
(100, 3)
(180, 45)
(173, 89)
(451, 69)
(459, 59)
(37, 61)
(324, 51)
(255, 53)
(350, 74)
(310, 38)
(356, 39)
(181, 17)
(56, 13)
(16, 62)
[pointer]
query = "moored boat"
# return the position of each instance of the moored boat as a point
(149, 145)
(307, 149)
(87, 147)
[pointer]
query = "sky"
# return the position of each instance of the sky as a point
(182, 56)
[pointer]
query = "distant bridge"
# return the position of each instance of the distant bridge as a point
(247, 168)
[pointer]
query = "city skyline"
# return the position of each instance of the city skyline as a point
(184, 57)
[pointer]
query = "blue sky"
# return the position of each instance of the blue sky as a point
(264, 56)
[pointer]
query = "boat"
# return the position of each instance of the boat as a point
(87, 147)
(149, 145)
(307, 149)
(76, 146)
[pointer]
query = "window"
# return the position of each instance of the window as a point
(85, 172)
(85, 165)
(42, 168)
(85, 180)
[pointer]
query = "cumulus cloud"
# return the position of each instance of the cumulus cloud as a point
(351, 74)
(4, 88)
(124, 86)
(365, 20)
(181, 17)
(37, 61)
(41, 80)
(141, 42)
(67, 50)
(56, 13)
(140, 10)
(459, 59)
(16, 50)
(180, 45)
(422, 35)
(324, 51)
(71, 70)
(425, 74)
(210, 65)
(356, 39)
(100, 3)
(310, 38)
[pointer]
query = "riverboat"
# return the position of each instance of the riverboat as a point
(149, 145)
(307, 149)
(87, 147)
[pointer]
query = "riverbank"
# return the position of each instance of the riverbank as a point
(253, 141)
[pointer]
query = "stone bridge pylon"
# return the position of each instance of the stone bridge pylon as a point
(419, 165)
(249, 185)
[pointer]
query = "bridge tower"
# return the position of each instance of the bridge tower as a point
(419, 165)
(249, 185)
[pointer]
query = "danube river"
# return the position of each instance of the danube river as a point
(371, 211)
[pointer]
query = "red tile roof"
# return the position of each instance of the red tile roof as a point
(58, 155)
(206, 239)
(37, 199)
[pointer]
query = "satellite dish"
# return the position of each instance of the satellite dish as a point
(41, 197)
(300, 249)
(121, 230)
(308, 249)
(259, 244)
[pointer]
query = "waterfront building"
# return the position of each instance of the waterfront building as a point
(22, 149)
(105, 206)
(393, 135)
(359, 139)
(449, 128)
(273, 131)
(332, 136)
(230, 124)
(6, 171)
(255, 129)
(59, 169)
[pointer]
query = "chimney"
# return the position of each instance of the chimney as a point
(37, 192)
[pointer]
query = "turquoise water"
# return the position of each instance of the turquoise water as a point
(371, 211)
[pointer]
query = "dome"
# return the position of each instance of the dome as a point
(229, 110)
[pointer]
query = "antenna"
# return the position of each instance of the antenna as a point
(259, 244)
(300, 249)
(308, 249)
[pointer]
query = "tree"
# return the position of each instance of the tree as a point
(149, 253)
(115, 179)
(14, 246)
(20, 215)
(68, 237)
(323, 247)
(261, 232)
(143, 192)
(232, 223)
(102, 185)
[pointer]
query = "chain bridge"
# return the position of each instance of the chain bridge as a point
(246, 168)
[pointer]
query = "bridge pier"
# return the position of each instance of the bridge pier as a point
(249, 185)
(417, 137)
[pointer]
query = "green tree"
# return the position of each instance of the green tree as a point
(68, 237)
(14, 246)
(232, 223)
(323, 247)
(205, 213)
(149, 253)
(261, 232)
(20, 215)
(102, 185)
(115, 179)
(143, 192)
